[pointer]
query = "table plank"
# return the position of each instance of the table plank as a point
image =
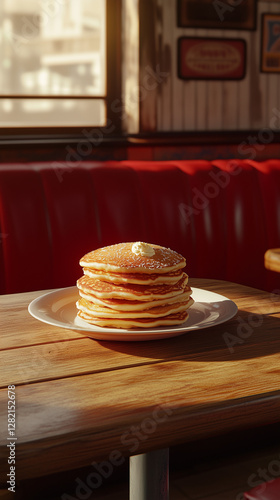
(89, 416)
(238, 338)
(18, 328)
(59, 353)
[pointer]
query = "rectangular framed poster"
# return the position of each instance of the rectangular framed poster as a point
(217, 14)
(270, 44)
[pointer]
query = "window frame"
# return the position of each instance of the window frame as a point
(113, 91)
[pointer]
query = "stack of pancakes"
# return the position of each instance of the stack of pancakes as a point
(133, 285)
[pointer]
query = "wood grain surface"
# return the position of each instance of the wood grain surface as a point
(79, 400)
(272, 259)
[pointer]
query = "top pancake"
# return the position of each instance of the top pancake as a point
(119, 258)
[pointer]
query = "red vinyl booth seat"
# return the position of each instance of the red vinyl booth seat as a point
(221, 215)
(265, 491)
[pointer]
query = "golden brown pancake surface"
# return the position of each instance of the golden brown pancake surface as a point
(120, 258)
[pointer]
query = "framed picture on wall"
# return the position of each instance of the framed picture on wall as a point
(217, 14)
(270, 43)
(211, 58)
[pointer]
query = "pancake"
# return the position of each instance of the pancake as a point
(135, 305)
(171, 320)
(137, 278)
(131, 285)
(128, 291)
(120, 258)
(153, 312)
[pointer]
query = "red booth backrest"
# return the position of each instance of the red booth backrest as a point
(221, 215)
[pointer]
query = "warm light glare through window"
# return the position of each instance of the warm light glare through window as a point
(53, 48)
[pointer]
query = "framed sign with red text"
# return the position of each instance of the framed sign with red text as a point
(211, 58)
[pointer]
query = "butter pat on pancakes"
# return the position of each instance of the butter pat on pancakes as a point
(130, 285)
(144, 249)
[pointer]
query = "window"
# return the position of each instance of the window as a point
(56, 58)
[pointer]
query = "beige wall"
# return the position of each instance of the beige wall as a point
(212, 105)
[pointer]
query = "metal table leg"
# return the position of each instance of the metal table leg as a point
(149, 476)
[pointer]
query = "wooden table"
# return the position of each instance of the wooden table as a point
(79, 400)
(272, 259)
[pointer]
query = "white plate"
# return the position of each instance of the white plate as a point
(58, 308)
